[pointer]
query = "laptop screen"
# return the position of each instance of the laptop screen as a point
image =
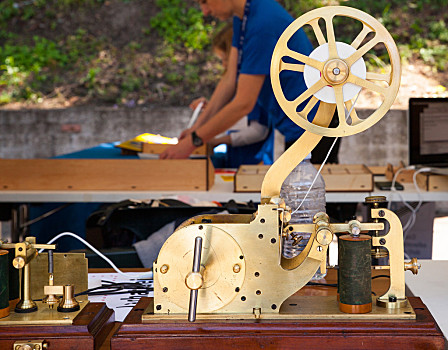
(428, 131)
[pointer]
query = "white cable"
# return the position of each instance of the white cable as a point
(325, 160)
(146, 275)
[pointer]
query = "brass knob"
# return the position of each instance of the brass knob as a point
(18, 262)
(412, 265)
(194, 280)
(324, 236)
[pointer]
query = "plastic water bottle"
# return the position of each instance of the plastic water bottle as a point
(293, 191)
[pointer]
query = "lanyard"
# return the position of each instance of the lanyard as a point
(242, 35)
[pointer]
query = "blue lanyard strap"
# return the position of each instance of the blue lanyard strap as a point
(242, 35)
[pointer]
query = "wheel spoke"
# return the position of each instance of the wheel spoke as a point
(317, 31)
(305, 59)
(340, 106)
(379, 77)
(309, 106)
(291, 66)
(366, 84)
(362, 51)
(308, 93)
(332, 51)
(361, 36)
(353, 114)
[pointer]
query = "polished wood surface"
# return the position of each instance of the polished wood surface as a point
(421, 333)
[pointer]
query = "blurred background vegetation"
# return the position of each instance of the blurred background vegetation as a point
(142, 52)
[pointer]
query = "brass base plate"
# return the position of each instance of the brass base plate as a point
(297, 307)
(43, 316)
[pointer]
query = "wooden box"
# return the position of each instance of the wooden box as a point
(347, 177)
(249, 178)
(420, 333)
(406, 176)
(106, 174)
(425, 181)
(437, 183)
(337, 177)
(89, 330)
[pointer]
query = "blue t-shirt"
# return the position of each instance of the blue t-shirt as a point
(266, 22)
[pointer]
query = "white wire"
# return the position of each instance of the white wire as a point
(323, 163)
(413, 216)
(147, 275)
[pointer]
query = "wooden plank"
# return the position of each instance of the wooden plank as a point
(105, 174)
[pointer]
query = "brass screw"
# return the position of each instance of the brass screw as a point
(164, 269)
(236, 268)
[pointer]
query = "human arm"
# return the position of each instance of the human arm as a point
(248, 89)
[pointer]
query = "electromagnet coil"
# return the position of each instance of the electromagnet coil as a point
(355, 281)
(4, 284)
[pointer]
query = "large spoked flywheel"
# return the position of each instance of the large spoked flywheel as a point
(335, 72)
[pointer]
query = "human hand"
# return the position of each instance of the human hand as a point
(196, 102)
(185, 133)
(180, 151)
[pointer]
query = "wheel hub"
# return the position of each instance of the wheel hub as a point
(336, 71)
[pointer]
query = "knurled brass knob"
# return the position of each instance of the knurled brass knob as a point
(412, 265)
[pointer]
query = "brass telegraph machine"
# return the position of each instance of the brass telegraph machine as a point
(217, 267)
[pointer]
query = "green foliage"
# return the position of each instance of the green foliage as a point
(181, 25)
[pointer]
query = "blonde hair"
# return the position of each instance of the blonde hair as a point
(223, 39)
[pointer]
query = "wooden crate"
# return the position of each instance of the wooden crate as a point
(337, 177)
(249, 178)
(106, 174)
(406, 176)
(347, 177)
(436, 183)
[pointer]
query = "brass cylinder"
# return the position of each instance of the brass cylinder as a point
(355, 276)
(4, 283)
(14, 280)
(68, 302)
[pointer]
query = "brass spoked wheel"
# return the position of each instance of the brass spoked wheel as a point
(335, 72)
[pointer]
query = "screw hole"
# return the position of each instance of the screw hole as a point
(260, 236)
(243, 298)
(258, 292)
(262, 221)
(273, 306)
(237, 289)
(257, 274)
(273, 240)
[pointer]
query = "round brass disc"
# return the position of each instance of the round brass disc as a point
(220, 253)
